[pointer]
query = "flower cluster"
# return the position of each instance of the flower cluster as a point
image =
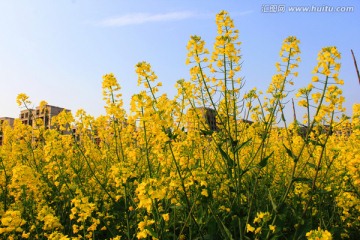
(194, 166)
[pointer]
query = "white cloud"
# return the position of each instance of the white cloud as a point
(140, 18)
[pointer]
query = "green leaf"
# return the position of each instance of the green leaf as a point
(291, 154)
(225, 232)
(152, 232)
(300, 179)
(272, 202)
(316, 143)
(206, 132)
(229, 160)
(264, 161)
(311, 165)
(212, 228)
(236, 149)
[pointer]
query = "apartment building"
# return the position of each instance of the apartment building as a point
(9, 121)
(26, 116)
(208, 115)
(47, 113)
(29, 116)
(345, 130)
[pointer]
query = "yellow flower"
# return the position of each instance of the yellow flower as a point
(165, 217)
(258, 230)
(250, 228)
(303, 103)
(25, 235)
(22, 98)
(315, 79)
(204, 192)
(143, 233)
(319, 234)
(337, 67)
(316, 97)
(42, 105)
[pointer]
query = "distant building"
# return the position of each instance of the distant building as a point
(249, 122)
(207, 115)
(345, 130)
(26, 116)
(29, 116)
(47, 113)
(9, 121)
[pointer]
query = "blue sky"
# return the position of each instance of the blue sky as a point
(58, 51)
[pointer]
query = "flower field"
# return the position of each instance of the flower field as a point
(164, 171)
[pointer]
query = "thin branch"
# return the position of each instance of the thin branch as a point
(293, 106)
(356, 67)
